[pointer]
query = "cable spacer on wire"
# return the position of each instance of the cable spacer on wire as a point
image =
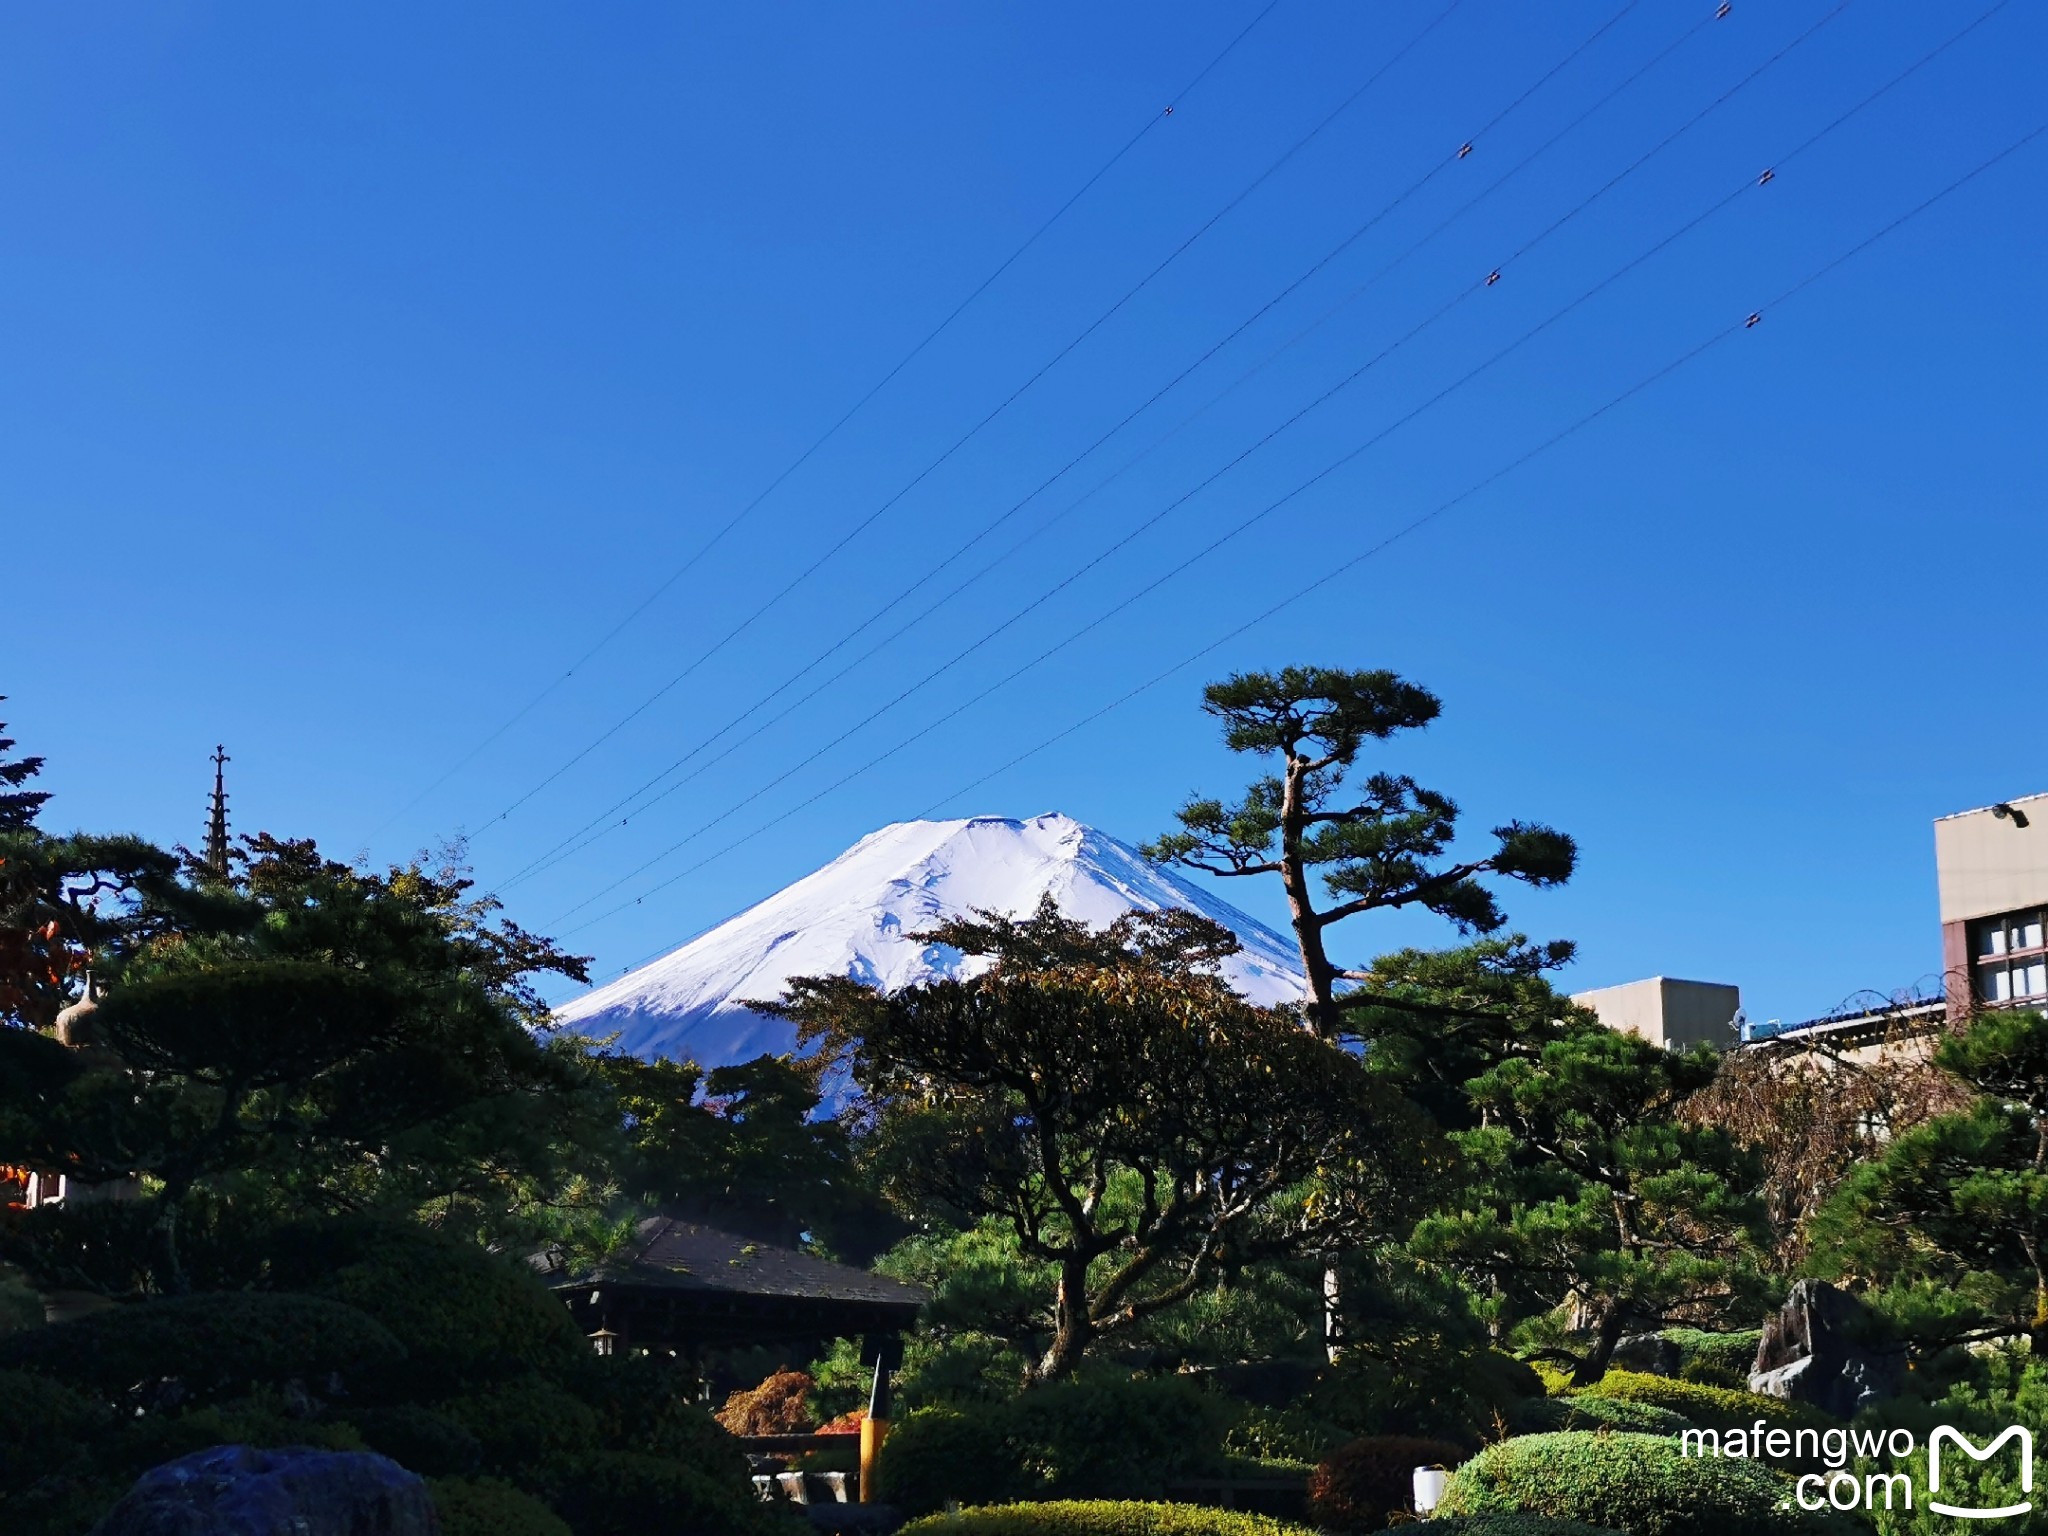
(1756, 318)
(1167, 113)
(1767, 178)
(1493, 277)
(1464, 149)
(1725, 9)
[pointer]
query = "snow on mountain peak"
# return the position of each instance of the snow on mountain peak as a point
(855, 917)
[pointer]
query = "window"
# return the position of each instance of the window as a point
(2011, 957)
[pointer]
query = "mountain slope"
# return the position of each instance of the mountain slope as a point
(855, 916)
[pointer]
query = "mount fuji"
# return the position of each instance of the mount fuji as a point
(855, 917)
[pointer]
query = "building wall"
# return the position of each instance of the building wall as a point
(1675, 1013)
(1993, 873)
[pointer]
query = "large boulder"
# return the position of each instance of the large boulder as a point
(1822, 1348)
(233, 1490)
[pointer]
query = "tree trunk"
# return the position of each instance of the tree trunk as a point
(1605, 1338)
(1072, 1327)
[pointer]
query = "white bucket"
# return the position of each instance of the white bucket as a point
(1429, 1488)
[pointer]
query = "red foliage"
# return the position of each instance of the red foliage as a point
(778, 1406)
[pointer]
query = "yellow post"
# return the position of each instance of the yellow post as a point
(872, 1433)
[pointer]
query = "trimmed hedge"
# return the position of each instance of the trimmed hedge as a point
(622, 1493)
(212, 1346)
(484, 1508)
(1634, 1483)
(1541, 1415)
(1101, 1517)
(1283, 1434)
(1708, 1407)
(1515, 1525)
(420, 1440)
(645, 1404)
(521, 1426)
(43, 1425)
(1076, 1440)
(1360, 1484)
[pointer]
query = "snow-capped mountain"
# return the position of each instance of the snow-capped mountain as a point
(855, 916)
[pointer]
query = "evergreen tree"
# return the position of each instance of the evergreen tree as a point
(1949, 1226)
(18, 806)
(1377, 844)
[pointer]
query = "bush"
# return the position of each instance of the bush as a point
(420, 1440)
(1455, 1398)
(1515, 1525)
(625, 1493)
(20, 1304)
(45, 1425)
(1360, 1484)
(264, 1420)
(647, 1404)
(780, 1405)
(1708, 1407)
(524, 1426)
(1538, 1415)
(1634, 1483)
(464, 1316)
(1282, 1434)
(469, 1508)
(1716, 1359)
(1101, 1517)
(1076, 1440)
(212, 1347)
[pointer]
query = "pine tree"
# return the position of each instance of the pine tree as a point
(1379, 844)
(18, 806)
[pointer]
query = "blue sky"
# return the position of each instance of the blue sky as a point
(365, 365)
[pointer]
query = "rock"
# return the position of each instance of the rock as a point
(1820, 1348)
(233, 1490)
(1650, 1352)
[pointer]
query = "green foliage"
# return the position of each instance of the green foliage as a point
(481, 1507)
(266, 1419)
(21, 1306)
(1100, 1517)
(1079, 1439)
(1282, 1434)
(1634, 1483)
(420, 1439)
(1363, 1482)
(62, 1420)
(1134, 1122)
(1716, 1359)
(1514, 1525)
(1708, 1407)
(648, 1405)
(1454, 1392)
(212, 1346)
(1582, 1410)
(2002, 1388)
(628, 1493)
(523, 1424)
(462, 1314)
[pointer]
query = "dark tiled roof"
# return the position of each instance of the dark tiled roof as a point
(683, 1256)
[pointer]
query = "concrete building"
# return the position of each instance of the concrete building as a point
(1674, 1013)
(1992, 865)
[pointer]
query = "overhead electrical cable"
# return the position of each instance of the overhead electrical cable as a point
(1749, 321)
(832, 431)
(586, 834)
(608, 820)
(817, 564)
(1768, 176)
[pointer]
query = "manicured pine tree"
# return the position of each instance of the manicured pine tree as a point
(18, 806)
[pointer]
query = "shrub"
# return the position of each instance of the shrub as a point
(1538, 1415)
(1514, 1525)
(212, 1347)
(1452, 1398)
(780, 1405)
(1634, 1483)
(1708, 1407)
(1716, 1359)
(463, 1315)
(484, 1508)
(524, 1426)
(646, 1404)
(1282, 1434)
(1360, 1484)
(625, 1493)
(420, 1440)
(1101, 1517)
(45, 1423)
(1076, 1440)
(264, 1420)
(20, 1305)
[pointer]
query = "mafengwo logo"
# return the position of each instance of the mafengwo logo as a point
(1945, 1435)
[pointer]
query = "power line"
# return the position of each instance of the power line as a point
(1003, 405)
(1327, 395)
(852, 411)
(602, 824)
(1240, 529)
(1727, 332)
